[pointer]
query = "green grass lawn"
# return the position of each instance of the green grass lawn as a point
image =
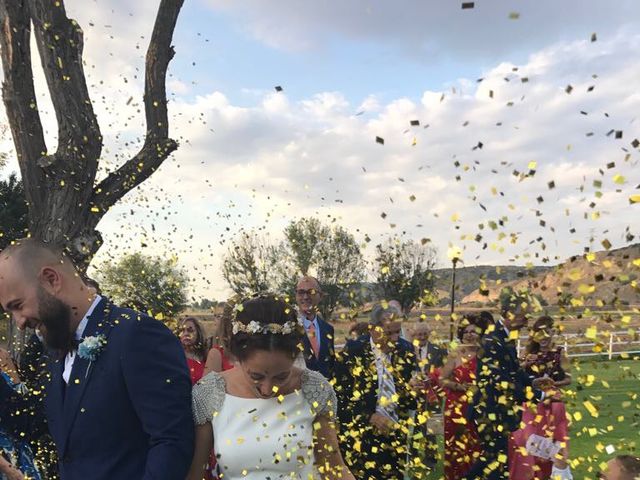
(613, 388)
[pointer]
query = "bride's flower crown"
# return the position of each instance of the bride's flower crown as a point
(254, 327)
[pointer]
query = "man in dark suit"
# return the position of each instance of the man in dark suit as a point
(430, 355)
(375, 399)
(503, 387)
(319, 353)
(118, 397)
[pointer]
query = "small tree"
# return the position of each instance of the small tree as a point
(147, 284)
(249, 265)
(13, 211)
(332, 254)
(405, 272)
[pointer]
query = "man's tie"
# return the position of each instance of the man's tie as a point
(313, 340)
(387, 394)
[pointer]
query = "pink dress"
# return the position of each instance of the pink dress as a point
(548, 420)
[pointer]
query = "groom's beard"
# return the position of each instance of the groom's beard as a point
(55, 318)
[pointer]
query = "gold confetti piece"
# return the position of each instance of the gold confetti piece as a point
(586, 289)
(619, 179)
(590, 408)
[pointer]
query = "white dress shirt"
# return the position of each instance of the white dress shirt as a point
(386, 384)
(71, 356)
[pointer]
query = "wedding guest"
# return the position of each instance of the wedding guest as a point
(319, 352)
(283, 415)
(193, 341)
(430, 358)
(16, 457)
(458, 378)
(219, 357)
(622, 467)
(357, 330)
(118, 395)
(219, 360)
(430, 355)
(33, 371)
(545, 360)
(376, 400)
(503, 386)
(398, 306)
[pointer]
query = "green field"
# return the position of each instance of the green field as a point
(614, 391)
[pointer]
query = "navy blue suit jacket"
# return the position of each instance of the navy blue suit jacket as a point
(325, 361)
(126, 415)
(502, 383)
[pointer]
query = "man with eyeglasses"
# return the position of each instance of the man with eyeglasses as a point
(319, 353)
(622, 467)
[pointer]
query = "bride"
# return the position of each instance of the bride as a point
(268, 418)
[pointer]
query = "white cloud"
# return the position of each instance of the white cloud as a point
(260, 164)
(280, 159)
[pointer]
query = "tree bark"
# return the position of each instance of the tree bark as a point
(65, 204)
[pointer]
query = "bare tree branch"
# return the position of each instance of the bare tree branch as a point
(18, 94)
(60, 43)
(157, 146)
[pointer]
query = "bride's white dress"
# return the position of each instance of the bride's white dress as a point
(264, 439)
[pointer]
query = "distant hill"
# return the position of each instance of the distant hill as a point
(468, 279)
(594, 279)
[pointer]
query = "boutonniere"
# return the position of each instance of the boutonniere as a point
(90, 348)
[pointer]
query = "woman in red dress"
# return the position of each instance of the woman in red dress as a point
(218, 358)
(458, 377)
(548, 366)
(194, 343)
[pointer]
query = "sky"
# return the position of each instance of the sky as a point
(521, 149)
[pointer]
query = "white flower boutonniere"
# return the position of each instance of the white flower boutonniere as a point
(90, 347)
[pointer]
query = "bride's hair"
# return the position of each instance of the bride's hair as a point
(259, 325)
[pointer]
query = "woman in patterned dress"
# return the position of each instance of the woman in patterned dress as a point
(16, 458)
(458, 378)
(549, 365)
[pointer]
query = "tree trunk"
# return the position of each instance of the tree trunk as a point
(65, 204)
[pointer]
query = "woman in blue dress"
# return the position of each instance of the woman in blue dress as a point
(16, 458)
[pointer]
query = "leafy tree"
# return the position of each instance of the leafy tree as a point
(13, 210)
(331, 254)
(249, 266)
(147, 284)
(405, 272)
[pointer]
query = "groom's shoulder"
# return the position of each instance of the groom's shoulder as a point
(128, 321)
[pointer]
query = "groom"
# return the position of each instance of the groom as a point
(118, 395)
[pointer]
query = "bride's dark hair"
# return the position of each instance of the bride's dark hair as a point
(266, 310)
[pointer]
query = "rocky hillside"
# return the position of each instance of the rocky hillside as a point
(597, 279)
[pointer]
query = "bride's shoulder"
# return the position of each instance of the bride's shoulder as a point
(319, 393)
(207, 397)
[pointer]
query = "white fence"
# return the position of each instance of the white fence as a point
(576, 345)
(609, 344)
